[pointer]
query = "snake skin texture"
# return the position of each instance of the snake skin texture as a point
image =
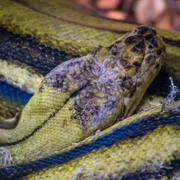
(73, 119)
(87, 94)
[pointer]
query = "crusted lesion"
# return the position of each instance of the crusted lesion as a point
(76, 72)
(97, 101)
(110, 82)
(5, 158)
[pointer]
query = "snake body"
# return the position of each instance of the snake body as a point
(54, 133)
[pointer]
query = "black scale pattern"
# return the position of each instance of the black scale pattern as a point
(27, 50)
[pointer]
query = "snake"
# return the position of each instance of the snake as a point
(75, 101)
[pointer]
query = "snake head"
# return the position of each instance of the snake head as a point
(140, 54)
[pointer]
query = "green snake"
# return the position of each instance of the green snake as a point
(88, 76)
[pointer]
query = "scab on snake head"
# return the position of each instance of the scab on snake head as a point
(109, 80)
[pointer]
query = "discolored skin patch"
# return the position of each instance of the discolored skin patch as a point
(84, 95)
(111, 81)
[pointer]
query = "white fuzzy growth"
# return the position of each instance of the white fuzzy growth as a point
(79, 170)
(171, 96)
(95, 162)
(97, 132)
(5, 158)
(174, 90)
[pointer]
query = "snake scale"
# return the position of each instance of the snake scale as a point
(70, 89)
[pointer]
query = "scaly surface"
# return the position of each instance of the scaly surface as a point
(82, 95)
(86, 94)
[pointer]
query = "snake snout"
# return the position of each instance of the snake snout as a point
(148, 50)
(146, 42)
(140, 45)
(145, 51)
(153, 52)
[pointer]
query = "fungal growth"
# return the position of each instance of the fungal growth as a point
(94, 91)
(112, 80)
(83, 95)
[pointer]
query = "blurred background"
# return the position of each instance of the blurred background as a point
(163, 14)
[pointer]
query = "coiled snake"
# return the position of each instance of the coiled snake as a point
(79, 124)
